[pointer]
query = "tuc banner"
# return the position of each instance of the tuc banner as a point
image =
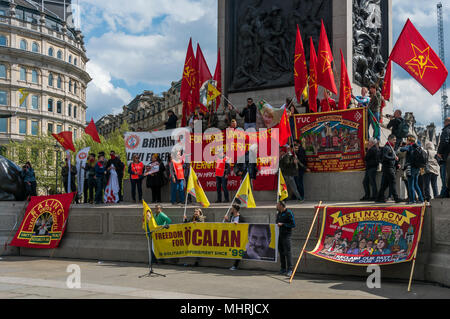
(44, 222)
(369, 235)
(202, 150)
(218, 240)
(333, 141)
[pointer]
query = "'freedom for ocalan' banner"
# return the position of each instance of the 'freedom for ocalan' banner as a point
(218, 240)
(44, 222)
(333, 141)
(369, 235)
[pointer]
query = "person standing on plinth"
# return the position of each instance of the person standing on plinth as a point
(136, 171)
(249, 114)
(286, 222)
(389, 161)
(222, 172)
(177, 178)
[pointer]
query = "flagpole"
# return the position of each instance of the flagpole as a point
(379, 126)
(234, 198)
(278, 186)
(187, 193)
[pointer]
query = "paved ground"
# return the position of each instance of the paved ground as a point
(23, 277)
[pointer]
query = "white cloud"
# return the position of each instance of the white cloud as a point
(410, 96)
(422, 13)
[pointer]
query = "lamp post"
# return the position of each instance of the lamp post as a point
(58, 152)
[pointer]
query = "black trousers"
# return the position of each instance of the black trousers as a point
(136, 183)
(388, 181)
(120, 179)
(156, 194)
(284, 248)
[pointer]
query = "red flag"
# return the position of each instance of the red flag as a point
(312, 82)
(203, 75)
(284, 129)
(65, 139)
(300, 68)
(386, 91)
(188, 83)
(218, 78)
(345, 89)
(91, 130)
(325, 75)
(415, 55)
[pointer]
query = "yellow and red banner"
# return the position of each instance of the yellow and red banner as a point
(334, 141)
(44, 222)
(218, 240)
(369, 235)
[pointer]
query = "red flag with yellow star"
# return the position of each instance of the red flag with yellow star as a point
(325, 75)
(345, 89)
(300, 68)
(312, 81)
(415, 55)
(386, 91)
(65, 139)
(188, 83)
(284, 129)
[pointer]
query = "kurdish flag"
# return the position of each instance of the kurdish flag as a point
(212, 94)
(282, 187)
(195, 189)
(245, 195)
(148, 219)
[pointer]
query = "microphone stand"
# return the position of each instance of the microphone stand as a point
(151, 273)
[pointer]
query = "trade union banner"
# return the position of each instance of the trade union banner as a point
(333, 141)
(369, 235)
(44, 222)
(218, 240)
(202, 149)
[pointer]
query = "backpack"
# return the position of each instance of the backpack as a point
(420, 157)
(403, 129)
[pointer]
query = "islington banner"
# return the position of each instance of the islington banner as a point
(44, 222)
(202, 149)
(334, 141)
(369, 235)
(218, 240)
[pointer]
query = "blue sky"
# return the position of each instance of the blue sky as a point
(142, 46)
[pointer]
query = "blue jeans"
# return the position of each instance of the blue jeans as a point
(413, 185)
(299, 182)
(177, 188)
(221, 183)
(99, 182)
(248, 125)
(444, 190)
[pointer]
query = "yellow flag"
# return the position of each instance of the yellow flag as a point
(245, 195)
(24, 95)
(195, 189)
(282, 187)
(212, 93)
(148, 219)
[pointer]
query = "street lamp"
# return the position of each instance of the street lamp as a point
(58, 152)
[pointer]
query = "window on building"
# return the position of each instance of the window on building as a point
(75, 88)
(35, 102)
(70, 85)
(50, 51)
(3, 97)
(23, 74)
(24, 103)
(35, 47)
(3, 71)
(23, 44)
(34, 76)
(70, 58)
(3, 125)
(59, 107)
(75, 61)
(3, 41)
(70, 110)
(75, 111)
(58, 129)
(50, 105)
(59, 82)
(23, 127)
(59, 54)
(50, 128)
(34, 128)
(50, 79)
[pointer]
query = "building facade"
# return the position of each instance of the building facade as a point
(43, 63)
(146, 112)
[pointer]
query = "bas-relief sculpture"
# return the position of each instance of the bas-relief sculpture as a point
(12, 187)
(262, 39)
(369, 46)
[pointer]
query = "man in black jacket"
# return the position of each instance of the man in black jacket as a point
(370, 177)
(443, 156)
(119, 166)
(286, 222)
(389, 163)
(172, 121)
(249, 114)
(394, 125)
(302, 167)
